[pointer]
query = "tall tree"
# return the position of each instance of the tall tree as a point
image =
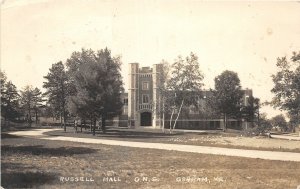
(98, 85)
(57, 89)
(227, 95)
(27, 102)
(185, 83)
(287, 85)
(9, 101)
(37, 100)
(164, 77)
(112, 83)
(3, 81)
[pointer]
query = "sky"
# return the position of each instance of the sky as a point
(245, 37)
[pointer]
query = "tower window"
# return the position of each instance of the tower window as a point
(145, 86)
(145, 99)
(125, 102)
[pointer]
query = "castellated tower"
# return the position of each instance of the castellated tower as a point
(133, 94)
(143, 96)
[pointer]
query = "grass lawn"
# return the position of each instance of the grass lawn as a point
(36, 163)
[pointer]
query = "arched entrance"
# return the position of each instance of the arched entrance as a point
(146, 119)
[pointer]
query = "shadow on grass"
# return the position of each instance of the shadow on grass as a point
(24, 126)
(26, 179)
(14, 166)
(114, 133)
(40, 150)
(6, 135)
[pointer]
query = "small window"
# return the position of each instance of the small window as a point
(125, 102)
(145, 86)
(145, 99)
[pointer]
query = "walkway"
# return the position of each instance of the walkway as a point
(287, 137)
(268, 155)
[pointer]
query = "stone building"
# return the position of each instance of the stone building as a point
(142, 103)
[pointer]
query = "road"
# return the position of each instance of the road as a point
(259, 154)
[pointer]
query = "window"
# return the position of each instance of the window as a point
(125, 102)
(145, 86)
(145, 99)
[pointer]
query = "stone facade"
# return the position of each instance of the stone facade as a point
(143, 96)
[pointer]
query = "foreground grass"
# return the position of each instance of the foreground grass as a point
(35, 163)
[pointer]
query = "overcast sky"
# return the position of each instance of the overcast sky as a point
(245, 37)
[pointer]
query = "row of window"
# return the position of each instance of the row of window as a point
(145, 75)
(145, 99)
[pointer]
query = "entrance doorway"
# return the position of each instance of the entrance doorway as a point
(146, 119)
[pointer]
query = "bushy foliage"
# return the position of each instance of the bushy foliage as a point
(287, 85)
(96, 85)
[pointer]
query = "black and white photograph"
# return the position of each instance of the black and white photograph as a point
(140, 94)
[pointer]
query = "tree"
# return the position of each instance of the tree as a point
(9, 99)
(27, 102)
(279, 122)
(75, 105)
(98, 85)
(162, 89)
(185, 83)
(287, 85)
(3, 81)
(227, 96)
(37, 100)
(57, 89)
(293, 122)
(250, 111)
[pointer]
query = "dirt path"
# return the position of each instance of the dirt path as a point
(268, 155)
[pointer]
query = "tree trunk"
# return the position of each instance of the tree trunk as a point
(60, 116)
(163, 118)
(170, 129)
(91, 125)
(103, 124)
(94, 127)
(84, 124)
(225, 122)
(63, 104)
(5, 120)
(178, 115)
(30, 121)
(81, 126)
(29, 118)
(36, 117)
(75, 125)
(64, 115)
